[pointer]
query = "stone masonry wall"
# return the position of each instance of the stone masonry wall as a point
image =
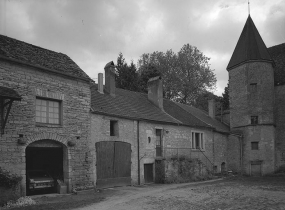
(75, 97)
(280, 125)
(247, 99)
(173, 137)
(100, 131)
(252, 94)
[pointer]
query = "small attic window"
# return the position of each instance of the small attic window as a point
(114, 128)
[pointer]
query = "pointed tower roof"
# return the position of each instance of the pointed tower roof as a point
(250, 47)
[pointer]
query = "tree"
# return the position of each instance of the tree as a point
(126, 75)
(226, 98)
(149, 72)
(185, 74)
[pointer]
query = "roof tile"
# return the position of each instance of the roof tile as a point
(31, 54)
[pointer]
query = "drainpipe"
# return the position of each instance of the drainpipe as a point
(138, 146)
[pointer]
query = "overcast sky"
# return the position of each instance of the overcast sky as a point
(93, 32)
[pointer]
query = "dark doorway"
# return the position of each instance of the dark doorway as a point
(255, 169)
(223, 168)
(113, 164)
(148, 173)
(44, 158)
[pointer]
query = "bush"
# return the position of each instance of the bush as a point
(23, 201)
(8, 179)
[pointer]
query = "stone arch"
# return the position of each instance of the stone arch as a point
(66, 155)
(46, 135)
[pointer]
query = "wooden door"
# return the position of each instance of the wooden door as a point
(113, 164)
(255, 169)
(148, 173)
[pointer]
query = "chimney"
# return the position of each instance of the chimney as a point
(110, 78)
(155, 94)
(100, 83)
(212, 108)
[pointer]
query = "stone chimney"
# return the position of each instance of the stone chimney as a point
(110, 78)
(212, 108)
(155, 93)
(100, 83)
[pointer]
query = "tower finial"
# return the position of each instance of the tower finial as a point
(248, 7)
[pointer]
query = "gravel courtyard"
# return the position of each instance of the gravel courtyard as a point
(235, 193)
(230, 193)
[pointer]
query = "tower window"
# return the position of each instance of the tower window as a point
(254, 145)
(254, 120)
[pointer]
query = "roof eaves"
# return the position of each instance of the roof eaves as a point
(132, 118)
(249, 61)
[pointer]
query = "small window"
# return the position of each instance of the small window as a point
(254, 120)
(48, 111)
(158, 133)
(114, 129)
(197, 140)
(253, 87)
(254, 145)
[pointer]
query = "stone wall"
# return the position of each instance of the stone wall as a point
(251, 90)
(75, 97)
(247, 99)
(280, 125)
(176, 140)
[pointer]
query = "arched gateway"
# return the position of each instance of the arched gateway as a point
(46, 159)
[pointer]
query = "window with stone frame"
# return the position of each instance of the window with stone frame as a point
(254, 145)
(48, 111)
(198, 140)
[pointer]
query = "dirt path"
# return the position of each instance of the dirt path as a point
(233, 194)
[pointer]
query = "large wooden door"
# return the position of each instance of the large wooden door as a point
(113, 164)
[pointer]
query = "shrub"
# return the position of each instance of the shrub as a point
(8, 179)
(23, 201)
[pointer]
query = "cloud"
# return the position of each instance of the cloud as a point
(93, 33)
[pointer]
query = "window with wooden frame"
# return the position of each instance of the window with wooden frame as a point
(198, 140)
(48, 111)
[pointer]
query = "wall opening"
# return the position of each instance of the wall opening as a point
(46, 162)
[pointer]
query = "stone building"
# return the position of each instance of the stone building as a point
(256, 83)
(141, 129)
(45, 114)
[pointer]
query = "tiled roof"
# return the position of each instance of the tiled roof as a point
(205, 118)
(128, 104)
(250, 46)
(278, 55)
(31, 54)
(9, 93)
(135, 105)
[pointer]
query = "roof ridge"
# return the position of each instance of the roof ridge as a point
(32, 44)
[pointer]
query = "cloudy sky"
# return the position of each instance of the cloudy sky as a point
(93, 32)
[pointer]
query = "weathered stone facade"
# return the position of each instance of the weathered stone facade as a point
(74, 96)
(176, 140)
(280, 125)
(252, 94)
